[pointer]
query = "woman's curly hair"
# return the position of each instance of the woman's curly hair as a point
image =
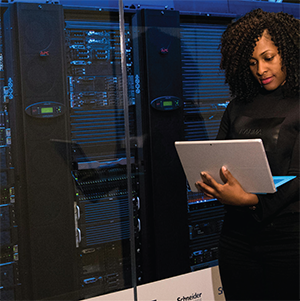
(237, 46)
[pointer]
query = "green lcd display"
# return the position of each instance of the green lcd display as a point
(47, 110)
(167, 103)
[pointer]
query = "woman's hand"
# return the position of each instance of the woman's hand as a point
(229, 193)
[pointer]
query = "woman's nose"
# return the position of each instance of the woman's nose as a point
(261, 68)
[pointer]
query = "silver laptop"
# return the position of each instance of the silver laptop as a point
(245, 158)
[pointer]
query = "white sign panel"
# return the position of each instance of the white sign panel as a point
(203, 285)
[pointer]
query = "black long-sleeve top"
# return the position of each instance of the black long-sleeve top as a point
(275, 119)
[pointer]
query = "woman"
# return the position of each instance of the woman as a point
(259, 243)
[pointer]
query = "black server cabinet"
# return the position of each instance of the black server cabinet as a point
(42, 186)
(160, 115)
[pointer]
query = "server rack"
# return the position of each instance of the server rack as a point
(99, 154)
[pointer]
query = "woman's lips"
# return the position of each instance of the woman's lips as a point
(266, 81)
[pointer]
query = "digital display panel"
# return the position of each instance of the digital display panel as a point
(47, 110)
(167, 103)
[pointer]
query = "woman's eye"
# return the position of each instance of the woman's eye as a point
(252, 63)
(269, 58)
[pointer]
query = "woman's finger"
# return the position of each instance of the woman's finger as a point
(206, 189)
(226, 175)
(209, 180)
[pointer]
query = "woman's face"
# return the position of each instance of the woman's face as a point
(265, 64)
